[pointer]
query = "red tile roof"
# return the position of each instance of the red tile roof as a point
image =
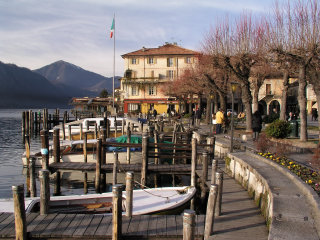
(167, 49)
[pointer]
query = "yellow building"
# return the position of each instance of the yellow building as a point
(146, 72)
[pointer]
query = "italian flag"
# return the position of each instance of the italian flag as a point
(112, 29)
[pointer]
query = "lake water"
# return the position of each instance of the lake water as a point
(12, 171)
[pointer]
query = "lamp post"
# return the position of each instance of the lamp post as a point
(233, 90)
(211, 110)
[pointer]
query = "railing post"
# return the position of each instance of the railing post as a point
(214, 168)
(33, 188)
(219, 181)
(45, 149)
(128, 141)
(210, 213)
(188, 224)
(19, 212)
(44, 191)
(204, 176)
(117, 211)
(211, 141)
(129, 191)
(56, 145)
(115, 168)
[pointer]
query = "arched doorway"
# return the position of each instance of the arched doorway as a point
(274, 107)
(262, 107)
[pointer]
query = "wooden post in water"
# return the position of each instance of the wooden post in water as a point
(210, 211)
(141, 127)
(214, 168)
(122, 126)
(128, 141)
(115, 168)
(23, 125)
(188, 224)
(69, 133)
(219, 181)
(98, 166)
(115, 126)
(27, 123)
(156, 149)
(45, 149)
(45, 119)
(103, 159)
(193, 161)
(204, 176)
(44, 191)
(56, 158)
(81, 131)
(129, 191)
(35, 123)
(95, 134)
(117, 211)
(30, 123)
(33, 186)
(19, 212)
(85, 159)
(144, 168)
(211, 141)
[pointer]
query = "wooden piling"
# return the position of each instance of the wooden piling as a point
(115, 168)
(141, 127)
(122, 126)
(19, 212)
(214, 168)
(204, 176)
(32, 171)
(44, 191)
(81, 131)
(69, 133)
(211, 141)
(129, 193)
(27, 123)
(115, 126)
(128, 148)
(193, 161)
(98, 166)
(56, 145)
(117, 211)
(144, 168)
(219, 182)
(208, 229)
(23, 125)
(30, 123)
(189, 224)
(45, 149)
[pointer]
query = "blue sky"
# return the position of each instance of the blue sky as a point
(35, 33)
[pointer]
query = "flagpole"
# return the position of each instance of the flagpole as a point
(114, 58)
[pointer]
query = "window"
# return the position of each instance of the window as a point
(268, 89)
(150, 60)
(134, 91)
(188, 59)
(152, 90)
(169, 62)
(134, 61)
(170, 74)
(133, 107)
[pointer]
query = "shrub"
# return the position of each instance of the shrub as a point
(187, 115)
(278, 129)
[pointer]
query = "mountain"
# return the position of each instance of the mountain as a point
(62, 73)
(21, 87)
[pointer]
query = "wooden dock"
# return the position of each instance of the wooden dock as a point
(94, 226)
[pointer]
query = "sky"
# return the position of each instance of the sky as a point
(36, 33)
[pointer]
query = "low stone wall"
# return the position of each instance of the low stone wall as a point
(253, 182)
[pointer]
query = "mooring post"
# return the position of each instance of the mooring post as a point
(122, 126)
(188, 224)
(214, 168)
(56, 145)
(108, 128)
(19, 212)
(144, 168)
(141, 127)
(219, 182)
(81, 131)
(128, 141)
(115, 126)
(98, 166)
(30, 123)
(132, 127)
(204, 176)
(27, 122)
(103, 159)
(129, 193)
(45, 149)
(44, 191)
(23, 125)
(210, 211)
(27, 147)
(69, 132)
(193, 161)
(156, 149)
(211, 148)
(117, 211)
(115, 168)
(33, 188)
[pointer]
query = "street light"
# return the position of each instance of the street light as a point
(233, 90)
(211, 110)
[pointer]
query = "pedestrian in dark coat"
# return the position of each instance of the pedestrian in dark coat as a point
(256, 125)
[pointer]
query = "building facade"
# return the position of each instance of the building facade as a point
(147, 71)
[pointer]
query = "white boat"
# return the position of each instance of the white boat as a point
(145, 201)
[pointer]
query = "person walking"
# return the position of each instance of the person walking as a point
(219, 120)
(198, 117)
(256, 125)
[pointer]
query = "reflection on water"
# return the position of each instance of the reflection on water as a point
(13, 173)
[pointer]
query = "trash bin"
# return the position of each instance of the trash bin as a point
(294, 128)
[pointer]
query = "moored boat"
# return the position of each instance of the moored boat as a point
(145, 201)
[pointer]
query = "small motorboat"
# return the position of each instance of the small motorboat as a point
(145, 201)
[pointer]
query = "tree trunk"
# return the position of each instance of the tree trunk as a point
(302, 102)
(318, 104)
(216, 106)
(223, 104)
(190, 103)
(283, 109)
(208, 109)
(255, 93)
(247, 100)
